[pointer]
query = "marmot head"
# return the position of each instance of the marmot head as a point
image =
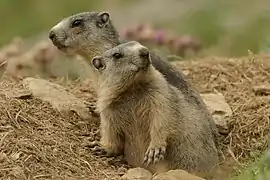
(84, 33)
(123, 65)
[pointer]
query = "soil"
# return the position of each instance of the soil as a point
(38, 142)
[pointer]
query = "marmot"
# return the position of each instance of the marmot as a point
(146, 118)
(91, 33)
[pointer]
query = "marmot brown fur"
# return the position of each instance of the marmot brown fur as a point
(146, 118)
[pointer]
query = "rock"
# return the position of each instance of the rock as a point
(186, 72)
(143, 174)
(219, 109)
(19, 94)
(176, 175)
(137, 174)
(262, 89)
(57, 96)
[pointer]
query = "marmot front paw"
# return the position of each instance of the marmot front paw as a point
(154, 155)
(96, 149)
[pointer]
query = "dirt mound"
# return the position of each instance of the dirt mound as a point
(37, 142)
(249, 127)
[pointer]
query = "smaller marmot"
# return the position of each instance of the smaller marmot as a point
(146, 118)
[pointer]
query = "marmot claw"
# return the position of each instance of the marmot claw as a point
(154, 155)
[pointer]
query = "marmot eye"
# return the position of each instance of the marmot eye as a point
(76, 23)
(117, 55)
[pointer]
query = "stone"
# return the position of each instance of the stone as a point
(219, 109)
(57, 96)
(262, 90)
(176, 175)
(137, 174)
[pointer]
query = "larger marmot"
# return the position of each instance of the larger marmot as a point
(91, 33)
(146, 118)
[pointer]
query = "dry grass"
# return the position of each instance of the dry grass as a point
(37, 142)
(249, 127)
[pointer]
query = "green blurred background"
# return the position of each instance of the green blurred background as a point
(28, 17)
(225, 27)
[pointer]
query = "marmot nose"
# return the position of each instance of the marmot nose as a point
(52, 35)
(97, 62)
(143, 53)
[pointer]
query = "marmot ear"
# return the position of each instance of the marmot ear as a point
(97, 63)
(103, 18)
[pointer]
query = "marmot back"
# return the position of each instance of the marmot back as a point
(146, 118)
